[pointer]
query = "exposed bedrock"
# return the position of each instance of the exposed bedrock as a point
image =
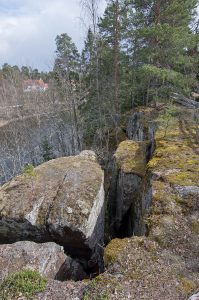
(130, 191)
(62, 202)
(194, 297)
(48, 259)
(141, 128)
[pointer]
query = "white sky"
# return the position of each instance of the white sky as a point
(28, 29)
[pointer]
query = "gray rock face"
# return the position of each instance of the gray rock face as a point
(185, 191)
(139, 128)
(127, 186)
(189, 195)
(23, 141)
(135, 127)
(129, 205)
(194, 297)
(63, 201)
(130, 191)
(48, 259)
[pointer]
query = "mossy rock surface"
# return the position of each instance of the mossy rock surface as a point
(113, 249)
(131, 157)
(176, 156)
(63, 202)
(163, 265)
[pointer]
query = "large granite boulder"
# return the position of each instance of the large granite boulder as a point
(62, 201)
(48, 259)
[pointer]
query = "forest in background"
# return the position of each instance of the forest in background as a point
(138, 53)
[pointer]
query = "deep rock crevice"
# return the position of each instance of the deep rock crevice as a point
(130, 194)
(67, 207)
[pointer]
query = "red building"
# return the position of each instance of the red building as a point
(34, 85)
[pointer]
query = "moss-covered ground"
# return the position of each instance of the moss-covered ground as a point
(164, 265)
(25, 283)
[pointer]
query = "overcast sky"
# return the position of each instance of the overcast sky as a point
(28, 29)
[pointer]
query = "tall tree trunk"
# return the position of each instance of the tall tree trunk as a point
(116, 55)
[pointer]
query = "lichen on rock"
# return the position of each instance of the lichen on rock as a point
(63, 203)
(163, 265)
(131, 157)
(48, 259)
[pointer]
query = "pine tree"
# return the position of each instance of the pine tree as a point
(67, 61)
(103, 60)
(161, 40)
(47, 151)
(88, 59)
(67, 77)
(112, 30)
(90, 109)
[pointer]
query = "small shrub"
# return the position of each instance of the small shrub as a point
(25, 282)
(47, 151)
(29, 171)
(166, 119)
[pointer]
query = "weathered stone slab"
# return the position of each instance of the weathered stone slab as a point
(48, 259)
(61, 201)
(185, 191)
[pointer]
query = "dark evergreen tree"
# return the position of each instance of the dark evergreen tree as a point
(114, 59)
(67, 61)
(161, 39)
(88, 59)
(47, 152)
(67, 76)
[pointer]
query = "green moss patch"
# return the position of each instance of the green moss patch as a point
(187, 286)
(195, 226)
(175, 158)
(165, 258)
(24, 283)
(131, 157)
(113, 249)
